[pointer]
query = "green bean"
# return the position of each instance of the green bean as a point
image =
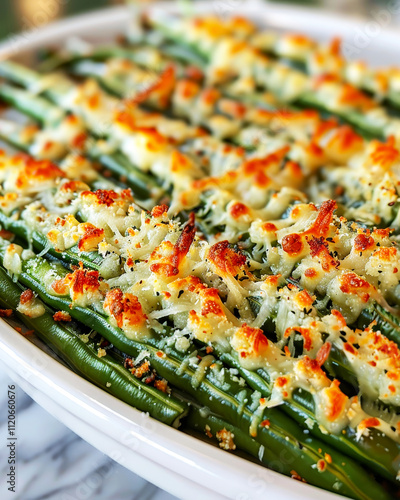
(377, 451)
(40, 243)
(83, 358)
(212, 425)
(143, 185)
(210, 389)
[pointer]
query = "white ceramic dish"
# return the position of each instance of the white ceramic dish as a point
(178, 463)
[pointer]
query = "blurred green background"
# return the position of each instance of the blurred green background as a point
(17, 15)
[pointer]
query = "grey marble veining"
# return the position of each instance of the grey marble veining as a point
(55, 464)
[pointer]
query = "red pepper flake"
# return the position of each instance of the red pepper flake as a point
(323, 353)
(207, 431)
(5, 313)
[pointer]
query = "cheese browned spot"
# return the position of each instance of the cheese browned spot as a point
(79, 281)
(161, 88)
(226, 260)
(166, 259)
(91, 238)
(352, 284)
(257, 168)
(83, 286)
(159, 210)
(356, 98)
(30, 305)
(37, 170)
(384, 154)
(26, 296)
(292, 244)
(239, 209)
(363, 242)
(124, 307)
(62, 316)
(226, 440)
(250, 342)
(107, 197)
(336, 401)
(125, 311)
(318, 248)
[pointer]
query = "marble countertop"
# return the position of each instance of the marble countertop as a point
(53, 463)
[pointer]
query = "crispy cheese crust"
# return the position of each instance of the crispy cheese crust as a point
(296, 227)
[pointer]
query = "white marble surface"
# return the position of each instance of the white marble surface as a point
(53, 463)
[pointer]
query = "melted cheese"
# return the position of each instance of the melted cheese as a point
(260, 227)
